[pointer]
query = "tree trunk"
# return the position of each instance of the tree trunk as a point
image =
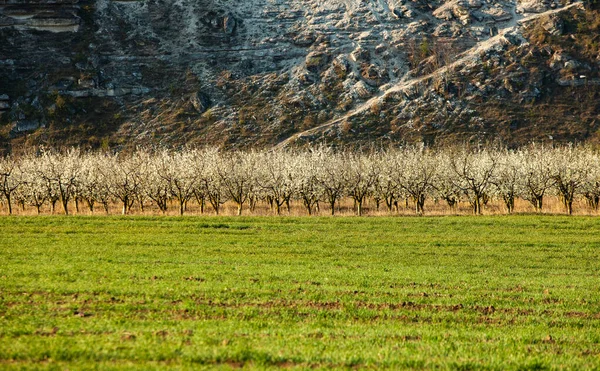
(538, 203)
(592, 201)
(308, 208)
(8, 201)
(477, 205)
(389, 202)
(90, 203)
(509, 201)
(420, 201)
(65, 204)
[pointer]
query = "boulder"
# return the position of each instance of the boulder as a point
(360, 55)
(462, 12)
(397, 12)
(514, 38)
(200, 102)
(341, 66)
(229, 24)
(447, 29)
(474, 4)
(554, 25)
(371, 75)
(87, 83)
(361, 90)
(535, 6)
(572, 65)
(315, 61)
(498, 14)
(26, 125)
(305, 39)
(444, 13)
(479, 16)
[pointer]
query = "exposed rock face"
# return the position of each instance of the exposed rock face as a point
(148, 71)
(533, 6)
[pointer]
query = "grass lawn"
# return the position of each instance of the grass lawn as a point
(499, 292)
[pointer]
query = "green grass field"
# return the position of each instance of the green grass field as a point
(518, 292)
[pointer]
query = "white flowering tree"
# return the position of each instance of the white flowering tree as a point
(417, 175)
(537, 174)
(306, 172)
(508, 177)
(331, 176)
(91, 185)
(124, 175)
(590, 187)
(571, 168)
(237, 175)
(11, 178)
(387, 188)
(34, 187)
(276, 178)
(210, 184)
(185, 179)
(60, 171)
(475, 171)
(361, 175)
(447, 184)
(154, 182)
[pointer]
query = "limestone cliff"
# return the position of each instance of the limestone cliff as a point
(276, 73)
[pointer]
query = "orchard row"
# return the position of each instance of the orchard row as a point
(315, 178)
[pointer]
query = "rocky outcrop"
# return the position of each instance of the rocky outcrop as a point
(260, 71)
(41, 15)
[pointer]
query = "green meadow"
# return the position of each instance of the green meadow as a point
(461, 293)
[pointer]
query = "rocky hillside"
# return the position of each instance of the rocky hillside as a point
(266, 73)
